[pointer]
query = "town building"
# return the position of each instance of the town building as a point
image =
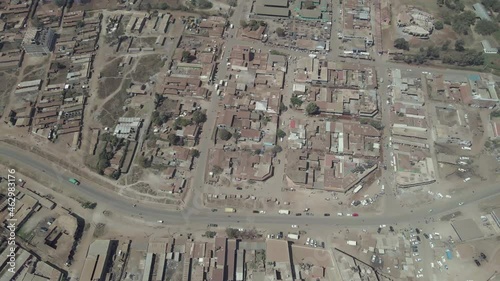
(39, 42)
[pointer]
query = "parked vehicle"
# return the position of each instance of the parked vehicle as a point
(230, 210)
(284, 212)
(477, 262)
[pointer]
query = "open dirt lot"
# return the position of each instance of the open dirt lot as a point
(108, 86)
(146, 67)
(113, 108)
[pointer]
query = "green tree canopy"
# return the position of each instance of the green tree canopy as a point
(401, 44)
(312, 108)
(224, 134)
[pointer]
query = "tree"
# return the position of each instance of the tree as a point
(446, 45)
(232, 233)
(459, 45)
(224, 134)
(195, 153)
(243, 23)
(296, 101)
(280, 32)
(232, 3)
(432, 52)
(186, 56)
(89, 205)
(401, 44)
(36, 22)
(199, 117)
(210, 234)
(182, 122)
(60, 3)
(158, 99)
(202, 4)
(277, 149)
(492, 4)
(280, 133)
(438, 25)
(144, 162)
(217, 170)
(463, 21)
(173, 139)
(163, 6)
(486, 27)
(312, 109)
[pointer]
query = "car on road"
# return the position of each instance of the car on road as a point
(294, 226)
(298, 214)
(159, 221)
(477, 262)
(74, 181)
(212, 225)
(460, 204)
(327, 214)
(214, 210)
(355, 215)
(340, 214)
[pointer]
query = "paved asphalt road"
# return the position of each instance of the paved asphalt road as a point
(120, 204)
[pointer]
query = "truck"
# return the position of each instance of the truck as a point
(230, 210)
(357, 189)
(284, 212)
(74, 181)
(293, 236)
(351, 242)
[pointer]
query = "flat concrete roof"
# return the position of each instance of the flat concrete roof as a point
(467, 229)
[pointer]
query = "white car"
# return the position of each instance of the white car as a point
(420, 275)
(466, 179)
(340, 214)
(466, 148)
(349, 215)
(415, 254)
(460, 204)
(418, 259)
(294, 226)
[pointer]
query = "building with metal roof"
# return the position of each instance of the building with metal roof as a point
(270, 11)
(273, 3)
(487, 48)
(481, 11)
(39, 42)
